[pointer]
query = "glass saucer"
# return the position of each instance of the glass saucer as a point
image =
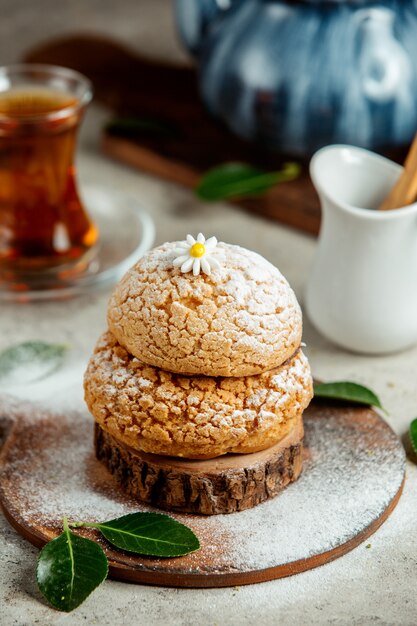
(126, 232)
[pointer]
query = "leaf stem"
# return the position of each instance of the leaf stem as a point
(84, 525)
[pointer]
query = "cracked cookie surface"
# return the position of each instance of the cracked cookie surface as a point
(193, 417)
(242, 320)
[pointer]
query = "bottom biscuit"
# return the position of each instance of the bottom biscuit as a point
(193, 417)
(231, 483)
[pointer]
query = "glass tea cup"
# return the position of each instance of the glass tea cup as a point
(44, 227)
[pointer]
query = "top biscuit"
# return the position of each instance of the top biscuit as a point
(242, 319)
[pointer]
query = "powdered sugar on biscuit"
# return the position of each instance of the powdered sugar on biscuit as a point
(195, 417)
(242, 320)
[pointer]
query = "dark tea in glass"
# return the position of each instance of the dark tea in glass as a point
(43, 223)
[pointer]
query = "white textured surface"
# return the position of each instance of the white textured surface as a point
(367, 586)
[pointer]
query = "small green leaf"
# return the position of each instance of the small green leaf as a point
(238, 180)
(348, 391)
(153, 534)
(139, 126)
(413, 434)
(69, 568)
(30, 361)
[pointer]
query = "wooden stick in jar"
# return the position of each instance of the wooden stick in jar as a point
(404, 191)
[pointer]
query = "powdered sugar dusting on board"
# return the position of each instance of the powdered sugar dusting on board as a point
(354, 468)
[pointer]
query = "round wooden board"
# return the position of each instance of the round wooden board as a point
(352, 479)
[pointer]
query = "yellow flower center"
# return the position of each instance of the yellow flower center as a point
(197, 250)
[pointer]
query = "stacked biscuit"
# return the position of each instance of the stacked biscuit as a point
(202, 357)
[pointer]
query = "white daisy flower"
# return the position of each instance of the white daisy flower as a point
(196, 255)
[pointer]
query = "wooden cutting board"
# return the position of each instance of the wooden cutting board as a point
(352, 479)
(131, 85)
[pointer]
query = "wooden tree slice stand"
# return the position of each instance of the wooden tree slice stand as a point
(352, 479)
(230, 483)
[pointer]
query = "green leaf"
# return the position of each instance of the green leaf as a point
(237, 180)
(30, 361)
(139, 126)
(69, 568)
(350, 392)
(413, 434)
(153, 534)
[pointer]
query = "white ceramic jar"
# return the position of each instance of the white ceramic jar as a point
(362, 292)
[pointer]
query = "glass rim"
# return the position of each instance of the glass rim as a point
(50, 71)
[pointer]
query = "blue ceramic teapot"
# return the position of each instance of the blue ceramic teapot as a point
(295, 76)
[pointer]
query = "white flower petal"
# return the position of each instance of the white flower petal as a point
(211, 243)
(185, 267)
(180, 260)
(213, 262)
(205, 263)
(205, 266)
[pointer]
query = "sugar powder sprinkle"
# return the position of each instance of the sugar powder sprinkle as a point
(354, 467)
